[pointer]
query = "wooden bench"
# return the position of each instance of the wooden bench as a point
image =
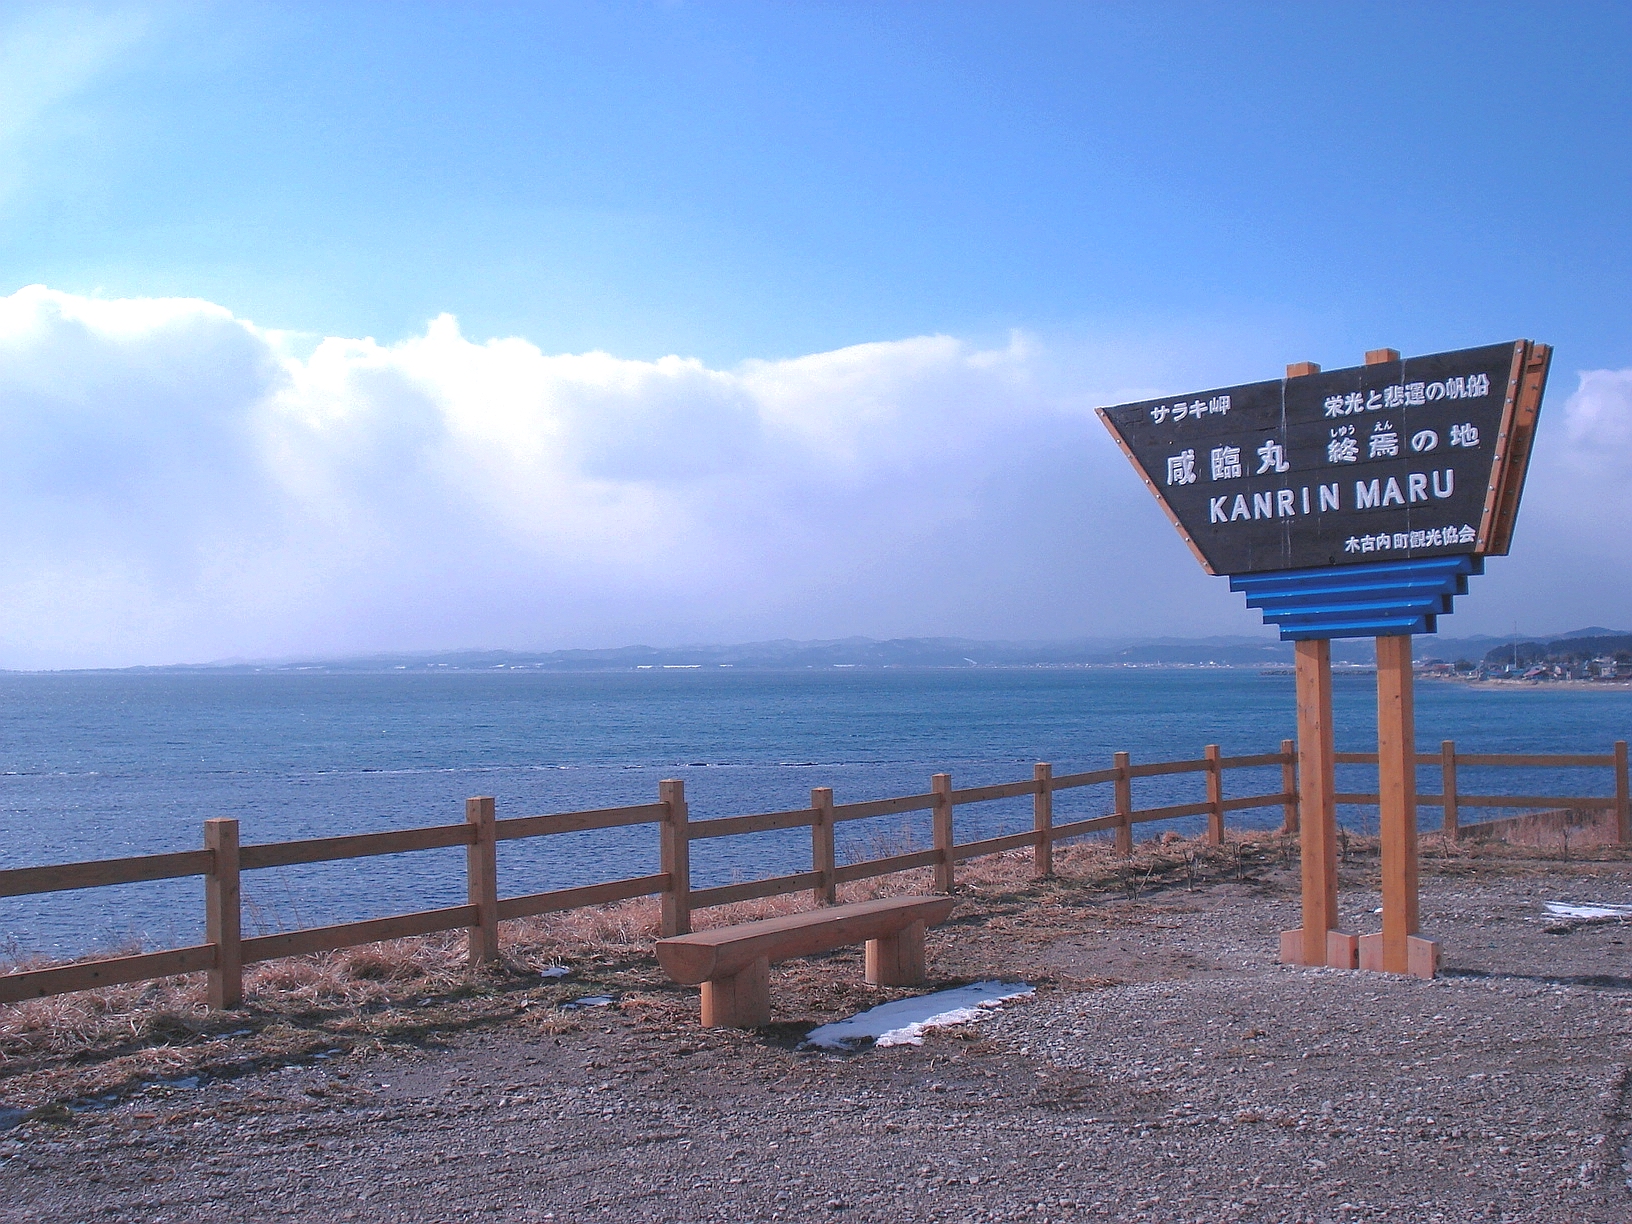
(733, 964)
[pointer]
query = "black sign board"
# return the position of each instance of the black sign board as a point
(1392, 461)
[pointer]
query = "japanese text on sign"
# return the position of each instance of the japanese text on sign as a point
(1393, 458)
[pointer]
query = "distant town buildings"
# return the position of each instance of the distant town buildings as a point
(1592, 658)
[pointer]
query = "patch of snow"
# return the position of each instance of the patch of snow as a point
(588, 1001)
(101, 1103)
(904, 1021)
(554, 971)
(1564, 910)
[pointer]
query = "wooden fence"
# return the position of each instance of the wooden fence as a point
(1451, 799)
(225, 951)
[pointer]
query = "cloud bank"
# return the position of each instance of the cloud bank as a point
(177, 484)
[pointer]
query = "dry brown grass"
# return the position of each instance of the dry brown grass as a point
(315, 990)
(407, 990)
(172, 1011)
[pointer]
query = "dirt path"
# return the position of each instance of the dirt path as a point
(1167, 1070)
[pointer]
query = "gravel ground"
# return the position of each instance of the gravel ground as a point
(1167, 1070)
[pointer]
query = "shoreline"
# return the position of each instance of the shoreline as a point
(1263, 667)
(1563, 686)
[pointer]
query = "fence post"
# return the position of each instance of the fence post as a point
(675, 849)
(223, 915)
(1215, 796)
(482, 881)
(1447, 786)
(941, 784)
(1042, 820)
(1124, 806)
(1289, 785)
(1623, 796)
(821, 845)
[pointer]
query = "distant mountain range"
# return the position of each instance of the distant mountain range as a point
(862, 652)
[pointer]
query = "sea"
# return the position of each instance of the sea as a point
(108, 764)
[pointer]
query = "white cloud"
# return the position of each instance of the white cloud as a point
(178, 484)
(1571, 562)
(1598, 428)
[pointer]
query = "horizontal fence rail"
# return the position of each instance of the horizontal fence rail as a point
(223, 860)
(358, 845)
(1450, 798)
(66, 877)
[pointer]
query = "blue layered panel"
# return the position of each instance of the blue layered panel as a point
(1382, 599)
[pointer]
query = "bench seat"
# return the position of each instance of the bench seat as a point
(733, 963)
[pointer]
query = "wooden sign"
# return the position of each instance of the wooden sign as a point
(1393, 461)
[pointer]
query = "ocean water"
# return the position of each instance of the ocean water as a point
(100, 765)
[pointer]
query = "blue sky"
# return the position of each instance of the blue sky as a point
(733, 181)
(1124, 199)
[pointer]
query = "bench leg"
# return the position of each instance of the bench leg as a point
(897, 960)
(743, 1001)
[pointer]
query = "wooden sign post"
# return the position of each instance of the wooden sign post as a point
(1318, 941)
(1313, 942)
(1397, 949)
(1352, 503)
